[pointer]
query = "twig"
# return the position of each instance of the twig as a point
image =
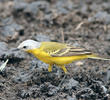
(79, 25)
(3, 65)
(62, 35)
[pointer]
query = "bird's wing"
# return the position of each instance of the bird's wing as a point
(55, 49)
(71, 51)
(52, 47)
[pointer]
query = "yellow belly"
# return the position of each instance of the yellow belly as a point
(56, 60)
(61, 60)
(67, 60)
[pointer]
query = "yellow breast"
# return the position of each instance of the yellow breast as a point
(41, 55)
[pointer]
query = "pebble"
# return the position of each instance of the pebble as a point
(23, 77)
(19, 6)
(64, 6)
(10, 30)
(42, 37)
(37, 64)
(3, 49)
(70, 84)
(108, 74)
(86, 94)
(48, 89)
(13, 56)
(100, 16)
(32, 8)
(71, 98)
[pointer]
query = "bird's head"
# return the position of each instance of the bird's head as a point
(29, 45)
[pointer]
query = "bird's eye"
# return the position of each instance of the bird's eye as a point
(24, 47)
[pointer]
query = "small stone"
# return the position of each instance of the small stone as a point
(13, 56)
(63, 6)
(86, 94)
(19, 6)
(79, 63)
(35, 6)
(107, 37)
(3, 49)
(48, 89)
(11, 29)
(53, 90)
(37, 64)
(100, 16)
(70, 84)
(106, 5)
(108, 74)
(71, 98)
(2, 87)
(42, 37)
(23, 94)
(23, 77)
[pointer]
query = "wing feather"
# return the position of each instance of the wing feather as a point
(52, 47)
(55, 49)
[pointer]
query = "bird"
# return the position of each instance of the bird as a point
(55, 53)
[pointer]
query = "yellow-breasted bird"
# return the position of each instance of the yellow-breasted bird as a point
(56, 53)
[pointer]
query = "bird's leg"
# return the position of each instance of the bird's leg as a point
(66, 73)
(50, 68)
(64, 69)
(62, 81)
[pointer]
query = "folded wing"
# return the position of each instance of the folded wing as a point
(55, 49)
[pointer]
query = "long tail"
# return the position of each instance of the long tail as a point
(93, 56)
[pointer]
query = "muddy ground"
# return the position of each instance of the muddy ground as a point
(82, 23)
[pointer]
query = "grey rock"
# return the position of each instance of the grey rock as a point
(7, 21)
(52, 90)
(42, 37)
(3, 48)
(35, 6)
(85, 93)
(106, 5)
(104, 89)
(98, 87)
(100, 16)
(84, 9)
(66, 4)
(11, 29)
(48, 89)
(62, 10)
(71, 98)
(13, 56)
(63, 6)
(70, 84)
(2, 86)
(37, 64)
(17, 54)
(19, 6)
(23, 93)
(95, 7)
(107, 37)
(108, 74)
(31, 8)
(23, 77)
(33, 91)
